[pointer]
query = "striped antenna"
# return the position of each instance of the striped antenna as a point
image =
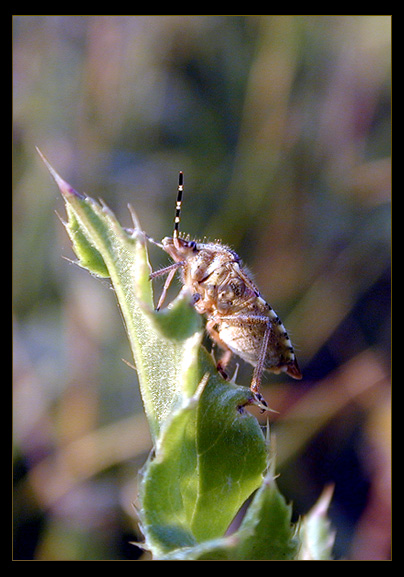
(178, 207)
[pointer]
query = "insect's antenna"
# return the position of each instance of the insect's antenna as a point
(178, 208)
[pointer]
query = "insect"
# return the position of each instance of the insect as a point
(239, 320)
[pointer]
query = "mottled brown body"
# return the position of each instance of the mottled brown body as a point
(239, 320)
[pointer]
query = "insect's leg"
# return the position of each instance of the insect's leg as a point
(165, 289)
(259, 368)
(166, 269)
(171, 270)
(224, 361)
(222, 364)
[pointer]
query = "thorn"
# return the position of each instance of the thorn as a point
(133, 215)
(64, 187)
(65, 223)
(129, 364)
(71, 261)
(105, 207)
(152, 241)
(234, 377)
(136, 231)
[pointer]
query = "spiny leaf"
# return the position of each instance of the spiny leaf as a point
(209, 458)
(164, 364)
(266, 532)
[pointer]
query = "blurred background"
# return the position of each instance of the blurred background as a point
(282, 126)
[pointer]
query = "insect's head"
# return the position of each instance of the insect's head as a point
(178, 248)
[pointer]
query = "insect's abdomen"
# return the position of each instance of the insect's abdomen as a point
(244, 337)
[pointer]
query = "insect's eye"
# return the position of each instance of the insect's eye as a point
(192, 244)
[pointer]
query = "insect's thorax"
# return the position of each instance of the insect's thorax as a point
(215, 273)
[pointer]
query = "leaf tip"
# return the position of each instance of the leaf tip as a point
(64, 187)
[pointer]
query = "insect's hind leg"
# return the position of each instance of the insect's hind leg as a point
(259, 367)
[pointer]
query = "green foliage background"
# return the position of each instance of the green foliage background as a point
(282, 127)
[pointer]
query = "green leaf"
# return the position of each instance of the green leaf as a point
(164, 345)
(210, 457)
(88, 255)
(266, 532)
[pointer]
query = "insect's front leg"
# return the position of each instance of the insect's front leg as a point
(170, 270)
